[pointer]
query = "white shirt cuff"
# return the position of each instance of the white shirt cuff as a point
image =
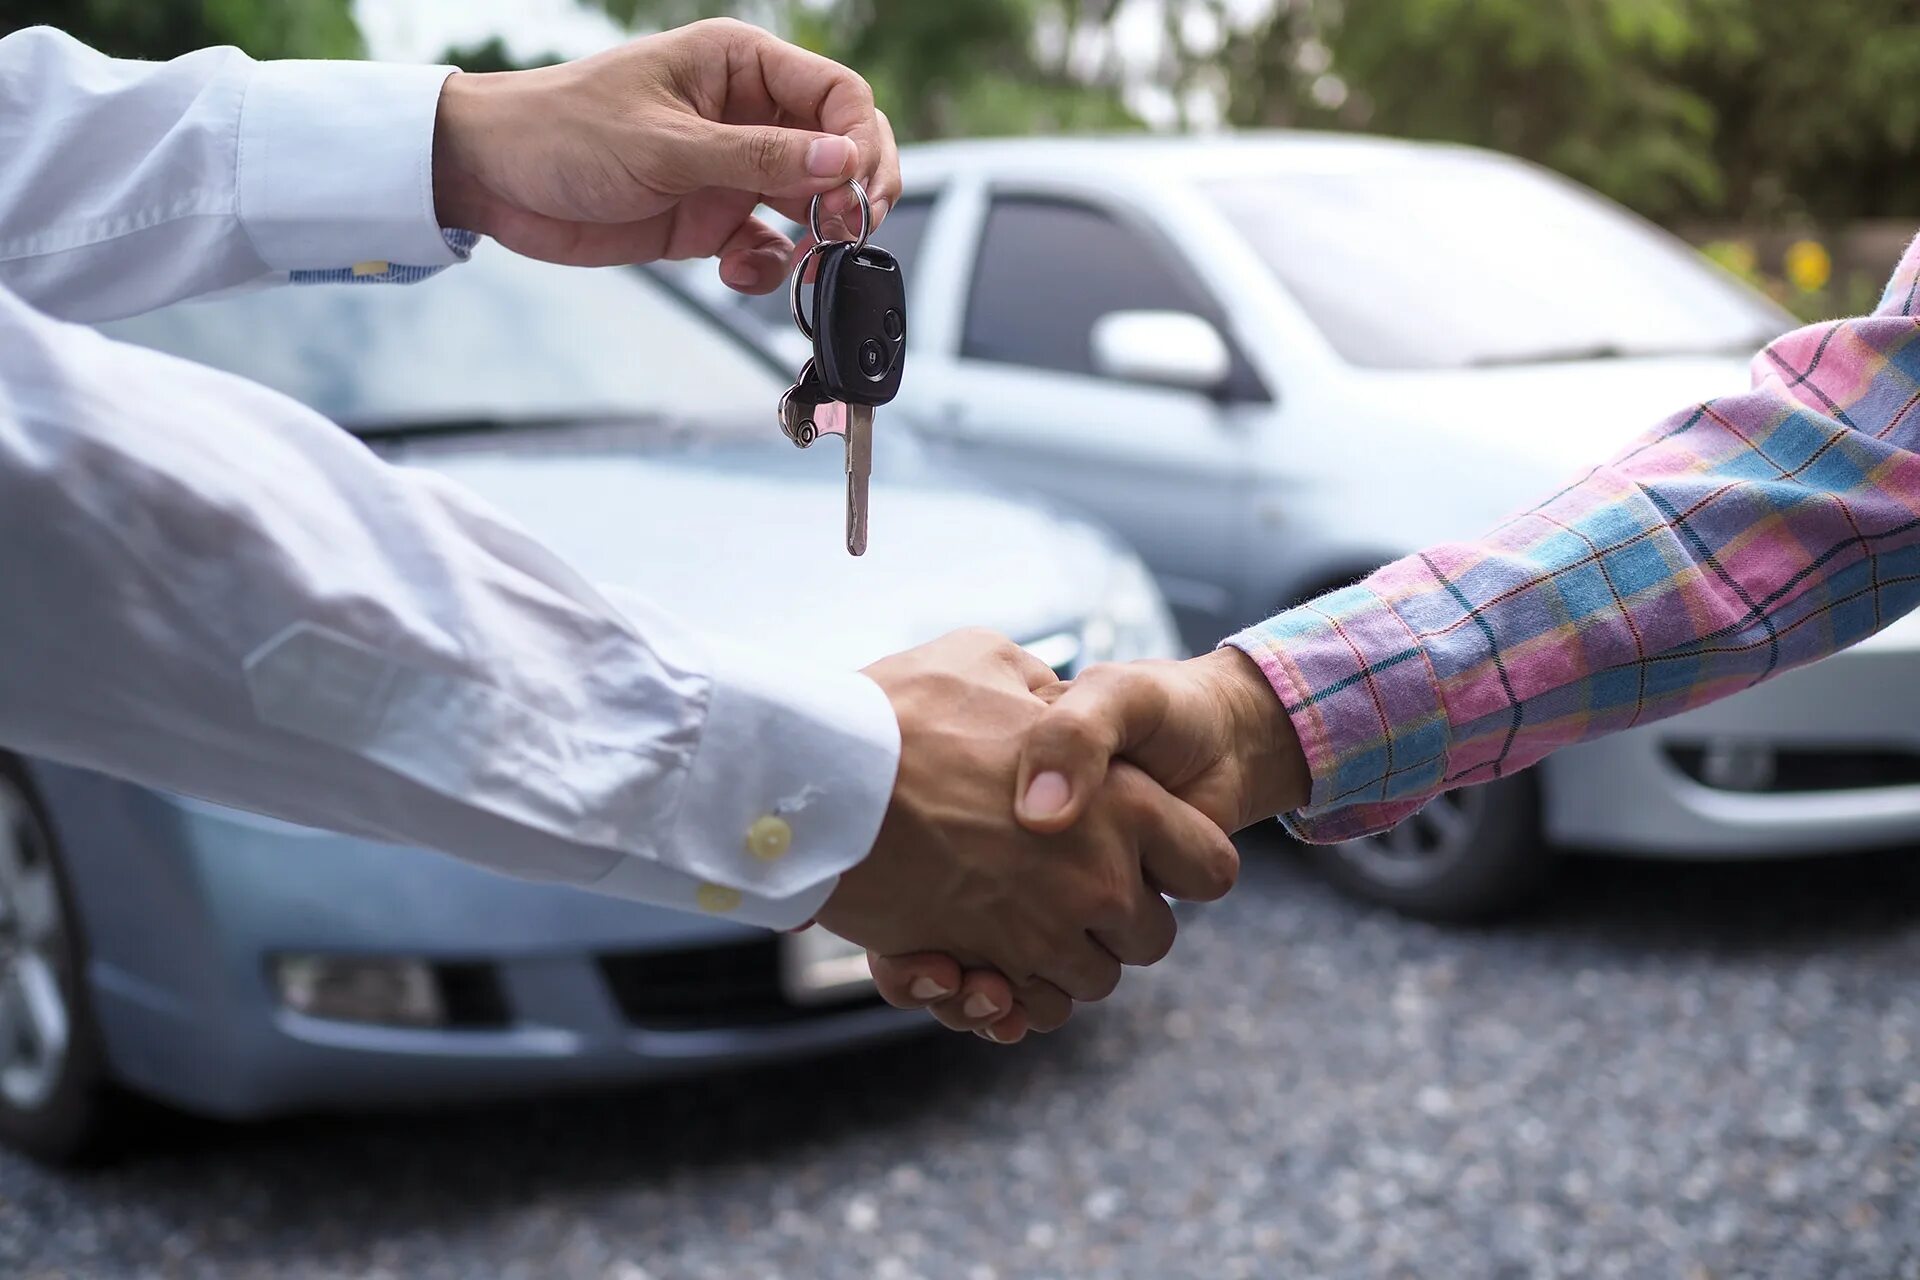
(789, 783)
(639, 880)
(336, 165)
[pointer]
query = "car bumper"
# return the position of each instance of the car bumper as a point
(571, 971)
(1630, 794)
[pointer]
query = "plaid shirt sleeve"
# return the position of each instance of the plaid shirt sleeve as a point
(1740, 538)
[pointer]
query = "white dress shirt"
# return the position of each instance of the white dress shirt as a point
(208, 588)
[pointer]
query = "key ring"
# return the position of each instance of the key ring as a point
(866, 217)
(793, 292)
(820, 243)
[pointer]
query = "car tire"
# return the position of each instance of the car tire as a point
(1471, 855)
(56, 1102)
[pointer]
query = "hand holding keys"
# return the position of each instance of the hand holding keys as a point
(859, 333)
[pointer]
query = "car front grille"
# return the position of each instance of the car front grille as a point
(709, 988)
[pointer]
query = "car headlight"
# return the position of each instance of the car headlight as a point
(1130, 621)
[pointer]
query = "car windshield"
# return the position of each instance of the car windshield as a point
(1456, 260)
(502, 341)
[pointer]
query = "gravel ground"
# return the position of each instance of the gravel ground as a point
(1669, 1071)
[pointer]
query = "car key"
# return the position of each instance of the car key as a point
(806, 415)
(859, 340)
(858, 327)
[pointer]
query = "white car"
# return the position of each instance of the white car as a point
(1275, 362)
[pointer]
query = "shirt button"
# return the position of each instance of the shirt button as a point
(769, 838)
(717, 899)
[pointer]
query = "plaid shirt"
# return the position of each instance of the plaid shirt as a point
(1740, 538)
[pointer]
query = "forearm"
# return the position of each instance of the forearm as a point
(1739, 539)
(128, 185)
(212, 590)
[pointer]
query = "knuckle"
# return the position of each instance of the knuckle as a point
(1102, 981)
(892, 986)
(1133, 797)
(1109, 678)
(1110, 905)
(1008, 653)
(982, 638)
(725, 28)
(1049, 1016)
(1224, 870)
(1073, 730)
(857, 85)
(1162, 944)
(1048, 1007)
(765, 149)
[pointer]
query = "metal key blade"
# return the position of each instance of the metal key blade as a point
(859, 471)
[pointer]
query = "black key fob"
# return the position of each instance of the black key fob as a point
(860, 324)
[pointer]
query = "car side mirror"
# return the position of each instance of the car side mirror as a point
(1165, 348)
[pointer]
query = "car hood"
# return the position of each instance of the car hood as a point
(1561, 416)
(753, 546)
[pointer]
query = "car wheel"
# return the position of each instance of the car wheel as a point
(54, 1096)
(1470, 854)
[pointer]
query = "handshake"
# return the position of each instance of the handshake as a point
(1036, 825)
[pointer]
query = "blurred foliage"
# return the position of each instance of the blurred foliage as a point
(166, 28)
(1759, 110)
(942, 68)
(1584, 86)
(1753, 109)
(493, 55)
(1816, 107)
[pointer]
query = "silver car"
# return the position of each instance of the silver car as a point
(1274, 362)
(238, 966)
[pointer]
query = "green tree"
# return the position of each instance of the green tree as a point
(1589, 87)
(941, 67)
(493, 55)
(167, 28)
(1816, 107)
(1748, 109)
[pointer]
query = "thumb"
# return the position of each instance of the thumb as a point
(769, 161)
(1104, 713)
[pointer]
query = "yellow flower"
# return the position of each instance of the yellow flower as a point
(1808, 265)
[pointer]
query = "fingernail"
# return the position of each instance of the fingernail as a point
(827, 157)
(741, 274)
(981, 1005)
(1047, 794)
(880, 208)
(993, 1034)
(928, 989)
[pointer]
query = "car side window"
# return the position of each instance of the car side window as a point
(1050, 268)
(902, 236)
